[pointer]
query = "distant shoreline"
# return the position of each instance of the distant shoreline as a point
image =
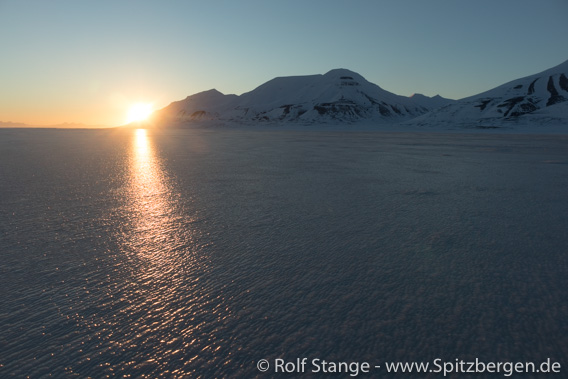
(21, 125)
(339, 127)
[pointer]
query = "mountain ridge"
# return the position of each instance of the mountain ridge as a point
(338, 95)
(344, 96)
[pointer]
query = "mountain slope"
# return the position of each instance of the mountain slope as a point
(201, 106)
(509, 103)
(339, 95)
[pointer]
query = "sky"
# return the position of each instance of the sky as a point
(89, 61)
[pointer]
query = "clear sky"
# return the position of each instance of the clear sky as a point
(88, 61)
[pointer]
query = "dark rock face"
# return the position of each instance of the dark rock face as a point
(483, 104)
(384, 110)
(340, 109)
(531, 87)
(198, 114)
(555, 97)
(510, 103)
(348, 81)
(563, 82)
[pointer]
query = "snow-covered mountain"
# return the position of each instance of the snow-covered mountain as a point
(339, 95)
(536, 99)
(345, 96)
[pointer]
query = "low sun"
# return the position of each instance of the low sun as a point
(139, 112)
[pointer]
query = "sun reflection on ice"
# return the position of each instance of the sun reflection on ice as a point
(148, 183)
(168, 304)
(152, 200)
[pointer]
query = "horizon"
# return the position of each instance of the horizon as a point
(62, 67)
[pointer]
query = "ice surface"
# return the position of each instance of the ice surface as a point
(200, 251)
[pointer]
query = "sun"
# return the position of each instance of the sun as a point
(139, 112)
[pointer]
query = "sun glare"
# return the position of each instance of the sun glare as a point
(139, 112)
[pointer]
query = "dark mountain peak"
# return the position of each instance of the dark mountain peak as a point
(209, 93)
(430, 102)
